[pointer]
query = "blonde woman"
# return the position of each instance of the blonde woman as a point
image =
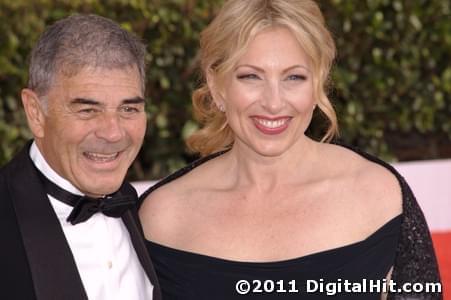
(269, 212)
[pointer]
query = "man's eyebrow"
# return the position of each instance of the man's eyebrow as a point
(84, 101)
(87, 101)
(135, 100)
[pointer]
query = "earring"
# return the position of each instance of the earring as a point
(221, 107)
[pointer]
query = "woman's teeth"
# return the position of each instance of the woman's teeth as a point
(272, 124)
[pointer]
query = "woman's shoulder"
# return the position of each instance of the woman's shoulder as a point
(373, 182)
(169, 199)
(182, 177)
(366, 168)
(160, 210)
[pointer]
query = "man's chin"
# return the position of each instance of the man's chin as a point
(102, 179)
(102, 186)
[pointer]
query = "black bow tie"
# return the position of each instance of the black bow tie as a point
(84, 207)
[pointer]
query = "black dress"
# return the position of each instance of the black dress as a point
(404, 243)
(187, 275)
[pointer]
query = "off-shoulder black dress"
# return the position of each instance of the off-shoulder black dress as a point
(355, 271)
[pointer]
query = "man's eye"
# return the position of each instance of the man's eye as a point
(297, 77)
(130, 109)
(88, 111)
(248, 76)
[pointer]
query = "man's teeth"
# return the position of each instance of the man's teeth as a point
(101, 157)
(272, 124)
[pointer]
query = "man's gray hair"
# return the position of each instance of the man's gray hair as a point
(81, 41)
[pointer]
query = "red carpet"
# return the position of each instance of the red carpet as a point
(442, 245)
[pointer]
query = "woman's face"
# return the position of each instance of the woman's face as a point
(268, 96)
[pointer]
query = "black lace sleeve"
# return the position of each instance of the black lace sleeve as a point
(415, 258)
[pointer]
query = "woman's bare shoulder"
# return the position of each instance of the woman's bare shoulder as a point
(165, 209)
(372, 184)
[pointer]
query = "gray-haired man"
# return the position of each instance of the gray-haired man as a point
(68, 222)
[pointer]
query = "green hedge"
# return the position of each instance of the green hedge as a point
(392, 79)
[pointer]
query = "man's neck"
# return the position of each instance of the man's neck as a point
(42, 165)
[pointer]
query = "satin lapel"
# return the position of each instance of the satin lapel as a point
(130, 219)
(52, 266)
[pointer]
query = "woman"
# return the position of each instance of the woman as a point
(269, 212)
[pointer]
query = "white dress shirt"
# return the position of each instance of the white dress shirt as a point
(103, 252)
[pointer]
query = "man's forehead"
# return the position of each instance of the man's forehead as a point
(105, 87)
(92, 72)
(92, 80)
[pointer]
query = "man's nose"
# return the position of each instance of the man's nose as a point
(109, 127)
(273, 100)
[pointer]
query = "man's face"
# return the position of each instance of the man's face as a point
(94, 127)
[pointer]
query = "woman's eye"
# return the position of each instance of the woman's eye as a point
(297, 77)
(248, 76)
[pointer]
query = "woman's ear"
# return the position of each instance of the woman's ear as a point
(34, 112)
(218, 98)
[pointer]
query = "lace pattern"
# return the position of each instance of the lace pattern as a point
(415, 260)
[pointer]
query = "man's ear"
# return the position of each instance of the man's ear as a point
(218, 98)
(34, 111)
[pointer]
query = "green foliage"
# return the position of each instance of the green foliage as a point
(392, 79)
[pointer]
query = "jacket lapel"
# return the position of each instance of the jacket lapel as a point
(52, 266)
(130, 219)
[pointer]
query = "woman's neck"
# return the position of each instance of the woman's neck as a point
(264, 173)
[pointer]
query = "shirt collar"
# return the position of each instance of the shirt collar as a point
(42, 165)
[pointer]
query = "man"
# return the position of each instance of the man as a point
(68, 222)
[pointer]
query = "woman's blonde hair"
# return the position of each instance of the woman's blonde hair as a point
(225, 40)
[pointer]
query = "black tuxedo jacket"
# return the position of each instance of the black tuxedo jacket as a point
(35, 259)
